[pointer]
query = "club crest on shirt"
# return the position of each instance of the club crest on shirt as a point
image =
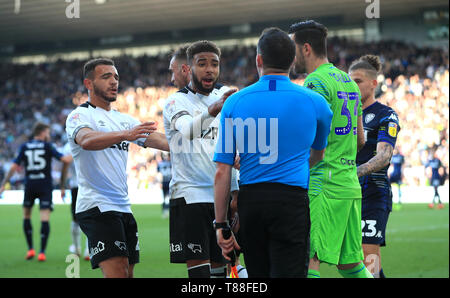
(74, 120)
(369, 117)
(170, 106)
(392, 129)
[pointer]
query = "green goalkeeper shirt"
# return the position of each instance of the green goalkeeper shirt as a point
(336, 173)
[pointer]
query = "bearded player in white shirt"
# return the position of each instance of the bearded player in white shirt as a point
(191, 125)
(99, 137)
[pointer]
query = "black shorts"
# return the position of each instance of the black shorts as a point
(373, 224)
(436, 182)
(166, 188)
(74, 193)
(275, 225)
(192, 235)
(110, 234)
(395, 179)
(45, 195)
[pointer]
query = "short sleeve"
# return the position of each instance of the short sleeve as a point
(226, 144)
(20, 155)
(174, 109)
(314, 83)
(389, 128)
(77, 120)
(55, 153)
(324, 118)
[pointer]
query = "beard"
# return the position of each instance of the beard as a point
(300, 65)
(197, 84)
(103, 95)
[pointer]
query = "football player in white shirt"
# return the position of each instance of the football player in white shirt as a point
(191, 125)
(99, 138)
(181, 72)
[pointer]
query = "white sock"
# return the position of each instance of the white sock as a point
(242, 272)
(86, 251)
(76, 235)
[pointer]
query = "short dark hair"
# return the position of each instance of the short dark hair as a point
(276, 48)
(312, 33)
(201, 46)
(180, 53)
(38, 128)
(89, 67)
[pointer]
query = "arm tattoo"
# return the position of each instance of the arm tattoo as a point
(379, 161)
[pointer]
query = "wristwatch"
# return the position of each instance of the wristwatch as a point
(221, 225)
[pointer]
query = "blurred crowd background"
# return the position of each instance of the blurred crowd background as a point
(414, 82)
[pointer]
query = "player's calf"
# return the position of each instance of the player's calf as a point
(115, 267)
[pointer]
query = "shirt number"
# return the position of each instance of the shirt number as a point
(346, 96)
(36, 160)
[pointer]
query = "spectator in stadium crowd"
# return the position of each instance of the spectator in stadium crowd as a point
(36, 155)
(381, 128)
(415, 83)
(191, 128)
(334, 190)
(99, 138)
(273, 201)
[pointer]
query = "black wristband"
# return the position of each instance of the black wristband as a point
(221, 225)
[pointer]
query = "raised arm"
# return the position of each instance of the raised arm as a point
(90, 139)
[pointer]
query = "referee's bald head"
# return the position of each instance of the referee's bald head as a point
(277, 49)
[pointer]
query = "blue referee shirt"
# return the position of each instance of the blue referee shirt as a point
(272, 124)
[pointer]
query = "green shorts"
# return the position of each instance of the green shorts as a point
(336, 235)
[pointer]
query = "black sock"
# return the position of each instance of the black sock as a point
(45, 231)
(382, 273)
(28, 230)
(200, 271)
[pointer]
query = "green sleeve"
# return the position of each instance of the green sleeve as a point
(315, 83)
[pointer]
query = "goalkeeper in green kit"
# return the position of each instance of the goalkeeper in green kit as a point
(334, 189)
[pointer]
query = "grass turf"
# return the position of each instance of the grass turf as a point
(417, 244)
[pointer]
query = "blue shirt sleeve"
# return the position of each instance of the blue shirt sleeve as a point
(54, 153)
(324, 117)
(226, 145)
(20, 156)
(389, 129)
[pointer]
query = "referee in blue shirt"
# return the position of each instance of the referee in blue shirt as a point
(279, 129)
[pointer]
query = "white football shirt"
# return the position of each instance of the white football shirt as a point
(102, 177)
(193, 168)
(72, 174)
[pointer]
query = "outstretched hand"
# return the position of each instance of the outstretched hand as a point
(216, 107)
(141, 131)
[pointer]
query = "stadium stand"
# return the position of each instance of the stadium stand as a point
(415, 83)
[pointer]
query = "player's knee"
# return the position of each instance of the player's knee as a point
(347, 266)
(117, 267)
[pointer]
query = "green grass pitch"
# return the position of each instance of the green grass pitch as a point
(417, 244)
